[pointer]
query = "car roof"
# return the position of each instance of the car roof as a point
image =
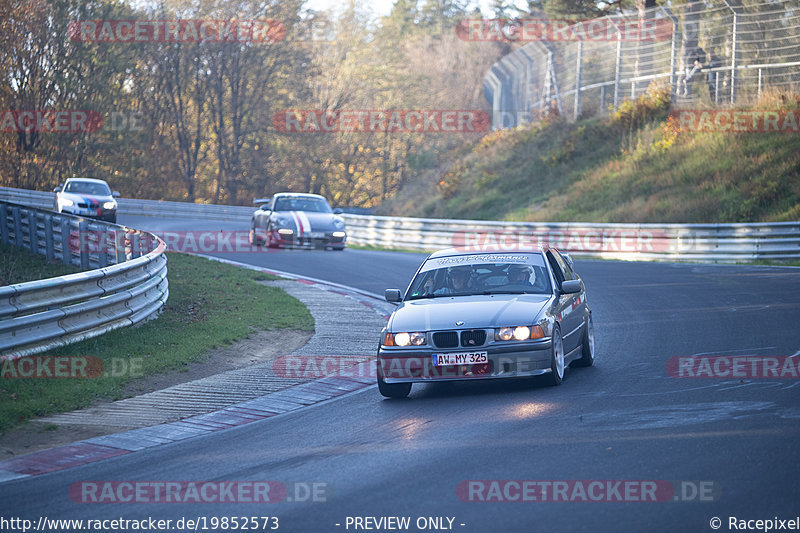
(448, 252)
(299, 195)
(90, 180)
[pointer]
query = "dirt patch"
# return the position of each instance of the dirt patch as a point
(259, 347)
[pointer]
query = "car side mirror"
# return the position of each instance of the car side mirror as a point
(338, 211)
(265, 209)
(115, 194)
(57, 189)
(570, 287)
(393, 295)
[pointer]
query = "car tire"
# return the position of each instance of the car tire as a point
(557, 367)
(393, 390)
(269, 242)
(587, 346)
(253, 237)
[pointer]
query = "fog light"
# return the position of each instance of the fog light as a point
(285, 231)
(338, 234)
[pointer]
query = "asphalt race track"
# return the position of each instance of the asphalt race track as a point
(726, 446)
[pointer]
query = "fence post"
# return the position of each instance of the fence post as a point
(759, 83)
(673, 55)
(617, 70)
(734, 38)
(576, 112)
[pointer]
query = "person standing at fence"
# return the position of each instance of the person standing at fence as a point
(694, 64)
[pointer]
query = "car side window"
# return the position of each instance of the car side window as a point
(564, 264)
(557, 264)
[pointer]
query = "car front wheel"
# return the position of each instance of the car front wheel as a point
(587, 347)
(393, 390)
(556, 375)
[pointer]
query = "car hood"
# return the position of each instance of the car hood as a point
(475, 311)
(306, 221)
(91, 199)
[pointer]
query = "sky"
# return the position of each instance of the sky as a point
(382, 7)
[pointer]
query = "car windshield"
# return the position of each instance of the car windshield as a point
(87, 187)
(288, 203)
(469, 275)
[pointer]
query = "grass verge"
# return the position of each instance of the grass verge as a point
(18, 265)
(210, 304)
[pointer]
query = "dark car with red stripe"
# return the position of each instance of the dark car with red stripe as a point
(298, 220)
(87, 197)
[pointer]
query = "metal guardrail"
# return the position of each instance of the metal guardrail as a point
(128, 206)
(128, 283)
(724, 243)
(721, 243)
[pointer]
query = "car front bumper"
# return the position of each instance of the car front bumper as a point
(102, 214)
(507, 360)
(320, 240)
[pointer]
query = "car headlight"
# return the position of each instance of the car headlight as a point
(110, 205)
(338, 222)
(520, 333)
(416, 338)
(66, 202)
(282, 221)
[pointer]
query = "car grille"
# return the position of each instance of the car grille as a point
(473, 337)
(450, 339)
(445, 339)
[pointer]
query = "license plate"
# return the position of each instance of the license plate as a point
(463, 358)
(317, 234)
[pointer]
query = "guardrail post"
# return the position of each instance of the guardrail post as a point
(4, 223)
(102, 248)
(119, 247)
(17, 226)
(66, 254)
(33, 234)
(84, 241)
(136, 247)
(48, 238)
